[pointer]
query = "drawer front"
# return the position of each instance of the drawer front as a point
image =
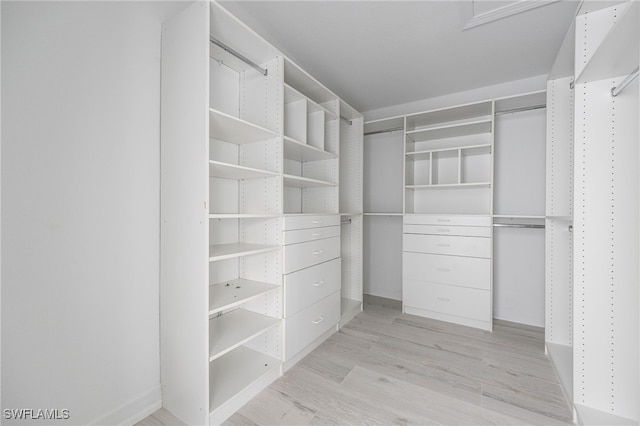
(454, 220)
(467, 231)
(307, 286)
(451, 245)
(448, 299)
(310, 234)
(307, 325)
(461, 271)
(304, 222)
(304, 255)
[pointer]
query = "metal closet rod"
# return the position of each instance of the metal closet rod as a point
(343, 118)
(377, 132)
(617, 89)
(238, 55)
(521, 109)
(518, 225)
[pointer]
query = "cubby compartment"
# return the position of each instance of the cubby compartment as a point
(475, 165)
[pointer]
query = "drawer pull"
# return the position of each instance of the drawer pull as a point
(444, 230)
(318, 321)
(444, 299)
(318, 283)
(444, 220)
(443, 269)
(317, 252)
(317, 234)
(444, 245)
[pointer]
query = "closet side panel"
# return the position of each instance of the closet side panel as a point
(184, 224)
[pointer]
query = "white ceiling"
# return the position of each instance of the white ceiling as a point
(375, 54)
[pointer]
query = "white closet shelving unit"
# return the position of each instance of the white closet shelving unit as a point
(250, 180)
(593, 184)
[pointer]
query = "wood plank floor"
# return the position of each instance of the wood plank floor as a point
(389, 368)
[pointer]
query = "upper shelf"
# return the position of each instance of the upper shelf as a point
(231, 129)
(222, 170)
(451, 129)
(300, 151)
(304, 182)
(293, 95)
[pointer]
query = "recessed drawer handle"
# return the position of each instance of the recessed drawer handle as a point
(318, 321)
(317, 234)
(444, 230)
(443, 269)
(444, 299)
(318, 283)
(317, 252)
(444, 220)
(444, 245)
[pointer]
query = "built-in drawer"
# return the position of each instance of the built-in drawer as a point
(468, 231)
(471, 272)
(454, 220)
(305, 221)
(309, 234)
(448, 299)
(307, 325)
(451, 245)
(307, 286)
(303, 255)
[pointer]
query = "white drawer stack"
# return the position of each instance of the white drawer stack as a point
(312, 271)
(447, 268)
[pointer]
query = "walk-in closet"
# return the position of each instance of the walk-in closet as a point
(245, 212)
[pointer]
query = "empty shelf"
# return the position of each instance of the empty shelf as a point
(303, 182)
(230, 294)
(222, 170)
(300, 151)
(450, 130)
(451, 185)
(243, 215)
(229, 251)
(235, 328)
(231, 129)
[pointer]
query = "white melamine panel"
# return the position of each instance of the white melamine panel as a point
(445, 168)
(473, 199)
(232, 293)
(451, 130)
(224, 88)
(559, 282)
(382, 262)
(315, 129)
(295, 120)
(519, 170)
(307, 286)
(451, 245)
(299, 151)
(383, 173)
(453, 270)
(309, 324)
(469, 231)
(235, 328)
(303, 255)
(310, 221)
(454, 115)
(302, 235)
(351, 166)
(448, 299)
(519, 275)
(450, 220)
(305, 182)
(222, 170)
(229, 251)
(231, 129)
(475, 165)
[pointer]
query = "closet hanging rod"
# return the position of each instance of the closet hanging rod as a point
(238, 55)
(376, 132)
(343, 118)
(527, 108)
(518, 225)
(617, 89)
(345, 221)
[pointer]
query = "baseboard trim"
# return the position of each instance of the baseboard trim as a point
(134, 410)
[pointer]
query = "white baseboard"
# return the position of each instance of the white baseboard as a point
(134, 410)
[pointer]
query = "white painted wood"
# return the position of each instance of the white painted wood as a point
(233, 250)
(233, 293)
(469, 231)
(450, 245)
(457, 301)
(309, 221)
(447, 220)
(184, 230)
(304, 255)
(234, 130)
(302, 235)
(307, 286)
(453, 270)
(309, 324)
(235, 328)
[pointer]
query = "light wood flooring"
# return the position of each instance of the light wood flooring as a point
(389, 368)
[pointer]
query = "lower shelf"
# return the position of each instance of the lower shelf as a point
(236, 371)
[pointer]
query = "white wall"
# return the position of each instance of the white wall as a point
(80, 208)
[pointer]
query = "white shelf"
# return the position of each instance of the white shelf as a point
(425, 154)
(303, 182)
(451, 185)
(450, 130)
(293, 95)
(231, 294)
(350, 214)
(613, 57)
(230, 251)
(300, 151)
(383, 214)
(231, 129)
(243, 215)
(236, 371)
(236, 328)
(223, 170)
